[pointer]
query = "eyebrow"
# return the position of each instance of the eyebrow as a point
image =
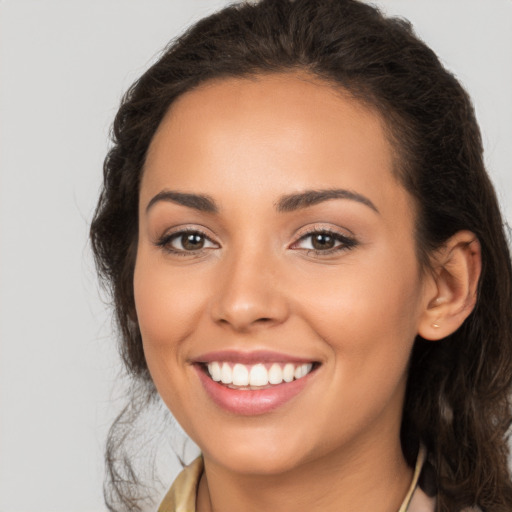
(198, 202)
(287, 203)
(309, 198)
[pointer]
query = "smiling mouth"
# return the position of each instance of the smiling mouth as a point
(256, 376)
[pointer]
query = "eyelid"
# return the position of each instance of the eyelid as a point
(324, 228)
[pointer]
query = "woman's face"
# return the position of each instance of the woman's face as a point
(275, 243)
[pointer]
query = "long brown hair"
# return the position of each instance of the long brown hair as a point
(458, 396)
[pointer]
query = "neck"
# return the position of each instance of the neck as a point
(374, 478)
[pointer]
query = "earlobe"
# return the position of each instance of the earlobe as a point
(456, 268)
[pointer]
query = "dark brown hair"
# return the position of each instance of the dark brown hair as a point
(458, 395)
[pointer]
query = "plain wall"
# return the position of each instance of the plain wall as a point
(63, 68)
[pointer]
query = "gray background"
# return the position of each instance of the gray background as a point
(63, 67)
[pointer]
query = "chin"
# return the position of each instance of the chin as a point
(255, 462)
(258, 452)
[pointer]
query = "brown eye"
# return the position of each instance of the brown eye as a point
(192, 241)
(184, 242)
(322, 241)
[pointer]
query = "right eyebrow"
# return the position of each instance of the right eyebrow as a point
(198, 202)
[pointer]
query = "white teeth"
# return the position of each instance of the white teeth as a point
(226, 375)
(302, 370)
(275, 374)
(240, 375)
(288, 372)
(257, 375)
(214, 369)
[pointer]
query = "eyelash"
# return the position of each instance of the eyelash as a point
(345, 243)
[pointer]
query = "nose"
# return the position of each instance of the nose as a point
(249, 292)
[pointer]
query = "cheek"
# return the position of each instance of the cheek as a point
(367, 314)
(167, 305)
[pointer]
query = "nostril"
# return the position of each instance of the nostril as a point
(265, 320)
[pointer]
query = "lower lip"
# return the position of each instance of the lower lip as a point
(248, 402)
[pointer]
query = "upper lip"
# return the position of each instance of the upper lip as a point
(252, 357)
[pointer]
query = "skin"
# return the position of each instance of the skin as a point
(257, 285)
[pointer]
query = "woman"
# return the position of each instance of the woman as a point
(309, 266)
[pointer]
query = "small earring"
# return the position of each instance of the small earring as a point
(435, 326)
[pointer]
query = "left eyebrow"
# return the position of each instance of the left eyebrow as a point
(292, 202)
(198, 202)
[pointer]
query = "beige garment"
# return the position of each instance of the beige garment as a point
(182, 495)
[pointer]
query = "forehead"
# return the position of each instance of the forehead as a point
(268, 135)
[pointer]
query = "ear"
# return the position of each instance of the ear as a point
(456, 268)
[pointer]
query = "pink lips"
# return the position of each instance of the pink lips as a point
(250, 402)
